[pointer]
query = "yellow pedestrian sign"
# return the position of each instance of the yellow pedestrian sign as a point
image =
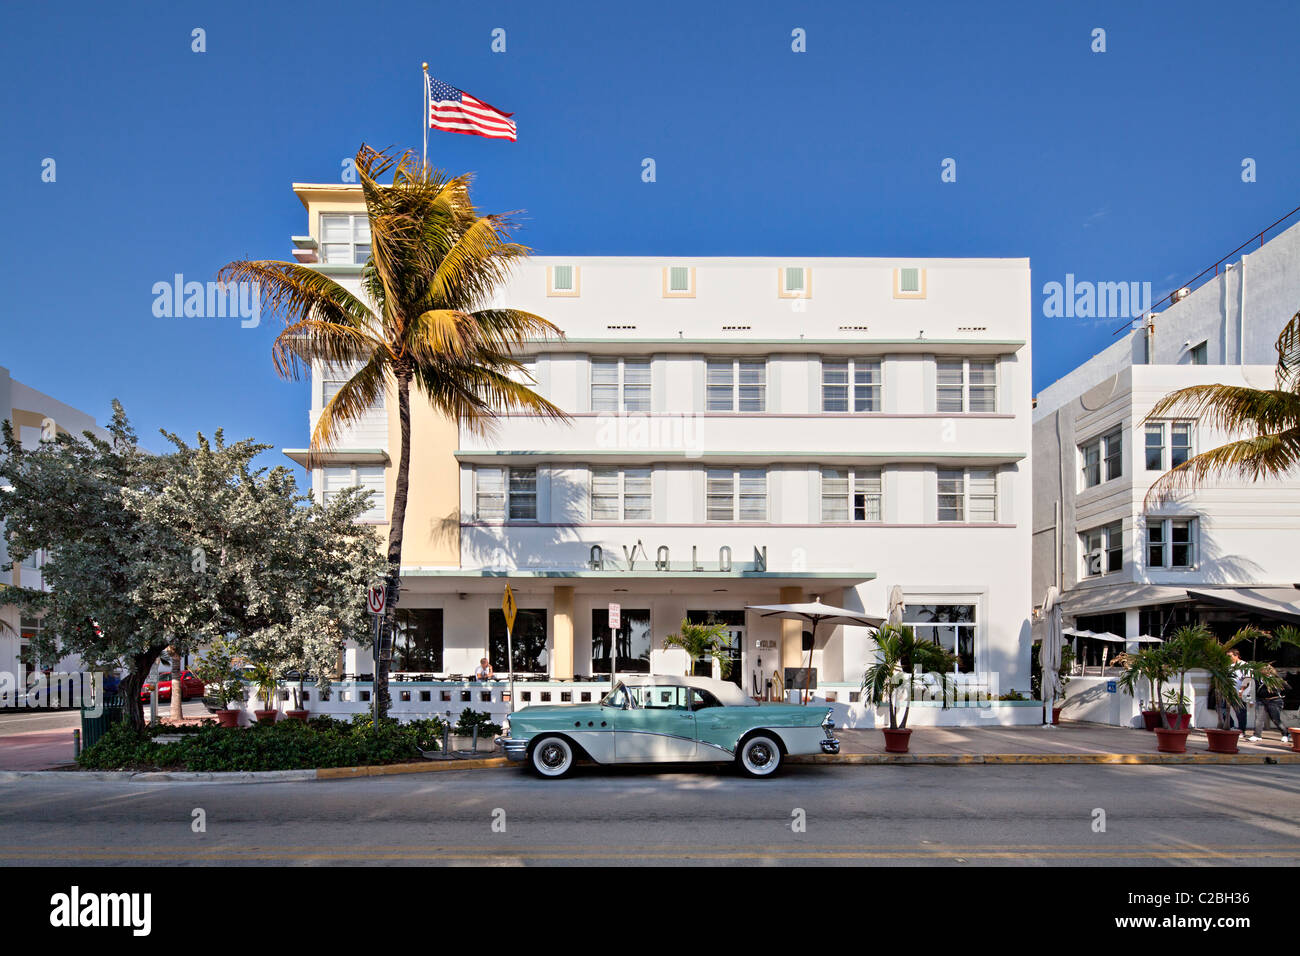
(508, 607)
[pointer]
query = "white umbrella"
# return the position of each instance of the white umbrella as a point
(814, 613)
(896, 602)
(1049, 652)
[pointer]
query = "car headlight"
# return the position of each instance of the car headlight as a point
(505, 727)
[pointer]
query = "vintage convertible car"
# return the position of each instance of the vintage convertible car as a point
(658, 719)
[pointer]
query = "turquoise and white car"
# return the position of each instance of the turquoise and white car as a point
(659, 719)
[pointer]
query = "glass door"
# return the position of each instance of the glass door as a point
(733, 665)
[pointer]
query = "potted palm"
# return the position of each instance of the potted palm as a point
(224, 683)
(1150, 668)
(1189, 648)
(701, 642)
(267, 686)
(900, 660)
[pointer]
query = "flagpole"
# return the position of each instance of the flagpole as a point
(426, 115)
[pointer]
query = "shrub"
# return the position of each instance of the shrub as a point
(469, 719)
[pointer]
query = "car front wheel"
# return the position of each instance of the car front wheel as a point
(553, 757)
(759, 756)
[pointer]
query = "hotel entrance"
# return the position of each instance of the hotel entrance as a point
(734, 622)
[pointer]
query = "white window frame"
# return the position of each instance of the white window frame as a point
(714, 492)
(735, 385)
(352, 242)
(1166, 543)
(507, 493)
(783, 288)
(623, 489)
(1110, 539)
(852, 387)
(966, 494)
(1101, 444)
(852, 482)
(918, 293)
(967, 388)
(378, 510)
(575, 283)
(1166, 431)
(622, 385)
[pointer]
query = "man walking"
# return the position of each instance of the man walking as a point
(1241, 675)
(1268, 696)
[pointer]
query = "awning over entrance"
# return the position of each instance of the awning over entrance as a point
(1280, 603)
(1118, 598)
(479, 581)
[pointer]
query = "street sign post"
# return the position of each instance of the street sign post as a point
(376, 601)
(614, 624)
(509, 609)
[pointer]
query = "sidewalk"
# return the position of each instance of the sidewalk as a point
(38, 750)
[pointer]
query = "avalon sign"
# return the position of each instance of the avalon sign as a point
(663, 559)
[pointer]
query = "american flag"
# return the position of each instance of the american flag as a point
(458, 112)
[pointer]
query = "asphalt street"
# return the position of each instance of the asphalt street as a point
(905, 815)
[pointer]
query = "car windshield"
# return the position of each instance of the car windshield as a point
(615, 698)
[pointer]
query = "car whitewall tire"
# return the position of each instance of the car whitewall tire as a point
(552, 757)
(759, 756)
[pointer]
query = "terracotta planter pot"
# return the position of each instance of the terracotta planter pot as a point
(266, 716)
(1150, 719)
(227, 718)
(896, 741)
(1179, 721)
(1295, 738)
(1056, 715)
(1171, 741)
(297, 715)
(1222, 741)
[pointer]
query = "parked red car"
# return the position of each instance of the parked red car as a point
(191, 686)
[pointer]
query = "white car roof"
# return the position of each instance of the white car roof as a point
(726, 692)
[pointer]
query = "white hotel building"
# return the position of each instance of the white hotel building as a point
(744, 431)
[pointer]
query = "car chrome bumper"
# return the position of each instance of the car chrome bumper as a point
(515, 749)
(830, 746)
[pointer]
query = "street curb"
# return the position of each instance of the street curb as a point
(384, 770)
(1043, 759)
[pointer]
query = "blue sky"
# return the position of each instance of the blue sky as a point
(1115, 166)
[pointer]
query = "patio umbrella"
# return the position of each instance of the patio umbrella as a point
(1049, 652)
(896, 602)
(814, 613)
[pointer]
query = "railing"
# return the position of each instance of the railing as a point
(1210, 271)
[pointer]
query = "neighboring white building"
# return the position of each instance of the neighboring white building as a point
(1224, 554)
(33, 414)
(744, 431)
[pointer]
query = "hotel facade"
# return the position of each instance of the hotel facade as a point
(742, 431)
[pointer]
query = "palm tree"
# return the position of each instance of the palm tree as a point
(701, 642)
(427, 321)
(1269, 419)
(899, 657)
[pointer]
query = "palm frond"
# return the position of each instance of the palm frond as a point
(1232, 408)
(1288, 355)
(353, 400)
(1264, 456)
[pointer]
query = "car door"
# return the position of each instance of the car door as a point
(717, 727)
(658, 728)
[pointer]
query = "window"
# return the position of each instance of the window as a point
(563, 280)
(500, 492)
(527, 642)
(1103, 550)
(795, 283)
(630, 643)
(740, 492)
(620, 385)
(970, 495)
(736, 385)
(334, 377)
(679, 282)
(1104, 456)
(417, 643)
(1180, 444)
(1171, 543)
(369, 477)
(850, 384)
(951, 626)
(850, 495)
(966, 385)
(909, 283)
(620, 494)
(1200, 354)
(345, 239)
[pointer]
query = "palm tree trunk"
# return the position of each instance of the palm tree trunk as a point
(396, 521)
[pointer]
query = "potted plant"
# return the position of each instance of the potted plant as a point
(1147, 667)
(701, 642)
(221, 675)
(472, 729)
(268, 687)
(1189, 648)
(900, 660)
(297, 711)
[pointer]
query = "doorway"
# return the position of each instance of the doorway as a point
(734, 622)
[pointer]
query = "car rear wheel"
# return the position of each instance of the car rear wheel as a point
(553, 757)
(759, 756)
